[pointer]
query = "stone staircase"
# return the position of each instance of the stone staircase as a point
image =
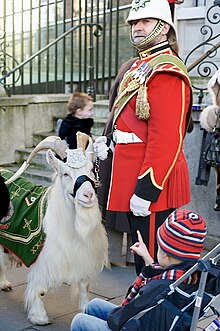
(39, 171)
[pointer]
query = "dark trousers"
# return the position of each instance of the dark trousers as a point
(148, 228)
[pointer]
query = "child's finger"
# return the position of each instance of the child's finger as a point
(140, 239)
(135, 245)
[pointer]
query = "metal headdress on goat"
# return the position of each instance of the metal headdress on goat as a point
(77, 158)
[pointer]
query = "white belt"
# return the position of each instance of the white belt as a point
(120, 137)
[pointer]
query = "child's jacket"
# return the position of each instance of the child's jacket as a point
(164, 312)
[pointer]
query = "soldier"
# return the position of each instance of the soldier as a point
(150, 116)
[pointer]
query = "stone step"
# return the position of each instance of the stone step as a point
(100, 109)
(39, 171)
(98, 127)
(39, 160)
(34, 174)
(38, 137)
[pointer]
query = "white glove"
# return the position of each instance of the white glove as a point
(100, 148)
(139, 206)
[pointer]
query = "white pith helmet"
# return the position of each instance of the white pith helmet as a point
(158, 9)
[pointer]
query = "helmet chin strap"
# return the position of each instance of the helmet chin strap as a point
(141, 45)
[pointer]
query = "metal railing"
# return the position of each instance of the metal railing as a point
(205, 64)
(65, 66)
(75, 61)
(96, 33)
(200, 3)
(206, 67)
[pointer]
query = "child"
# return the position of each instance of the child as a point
(80, 118)
(180, 242)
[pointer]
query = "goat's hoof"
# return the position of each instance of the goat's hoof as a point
(40, 322)
(44, 323)
(6, 286)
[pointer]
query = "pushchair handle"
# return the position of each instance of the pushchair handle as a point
(204, 267)
(196, 266)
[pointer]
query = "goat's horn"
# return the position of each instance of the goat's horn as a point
(82, 140)
(52, 142)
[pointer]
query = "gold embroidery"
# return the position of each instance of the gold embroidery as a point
(151, 172)
(36, 246)
(27, 224)
(15, 193)
(142, 104)
(132, 85)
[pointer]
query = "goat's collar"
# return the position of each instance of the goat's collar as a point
(80, 180)
(76, 158)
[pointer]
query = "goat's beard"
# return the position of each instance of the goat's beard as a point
(86, 219)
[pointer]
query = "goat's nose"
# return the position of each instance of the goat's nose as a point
(88, 195)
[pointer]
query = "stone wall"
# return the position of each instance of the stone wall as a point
(23, 116)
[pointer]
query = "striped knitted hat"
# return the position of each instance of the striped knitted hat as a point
(182, 235)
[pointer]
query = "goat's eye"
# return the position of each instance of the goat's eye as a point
(66, 174)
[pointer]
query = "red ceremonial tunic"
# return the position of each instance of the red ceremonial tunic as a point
(154, 169)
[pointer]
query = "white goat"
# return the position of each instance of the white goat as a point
(76, 245)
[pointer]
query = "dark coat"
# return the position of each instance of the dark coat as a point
(115, 220)
(4, 198)
(71, 125)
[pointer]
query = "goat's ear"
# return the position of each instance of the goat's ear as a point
(53, 161)
(89, 150)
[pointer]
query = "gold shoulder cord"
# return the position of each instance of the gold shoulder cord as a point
(142, 104)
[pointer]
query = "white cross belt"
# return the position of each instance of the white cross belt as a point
(121, 137)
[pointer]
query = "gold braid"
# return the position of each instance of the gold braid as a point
(142, 104)
(155, 32)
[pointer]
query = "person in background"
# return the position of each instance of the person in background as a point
(180, 242)
(147, 125)
(80, 118)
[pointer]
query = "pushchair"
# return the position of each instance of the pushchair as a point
(163, 310)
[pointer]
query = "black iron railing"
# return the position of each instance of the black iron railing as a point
(97, 32)
(7, 62)
(206, 67)
(77, 60)
(67, 65)
(205, 64)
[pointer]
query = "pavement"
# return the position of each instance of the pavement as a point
(110, 285)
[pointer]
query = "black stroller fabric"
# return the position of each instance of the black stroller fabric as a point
(157, 309)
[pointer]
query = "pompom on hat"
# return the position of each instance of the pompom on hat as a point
(182, 235)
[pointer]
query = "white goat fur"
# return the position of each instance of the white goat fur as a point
(76, 246)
